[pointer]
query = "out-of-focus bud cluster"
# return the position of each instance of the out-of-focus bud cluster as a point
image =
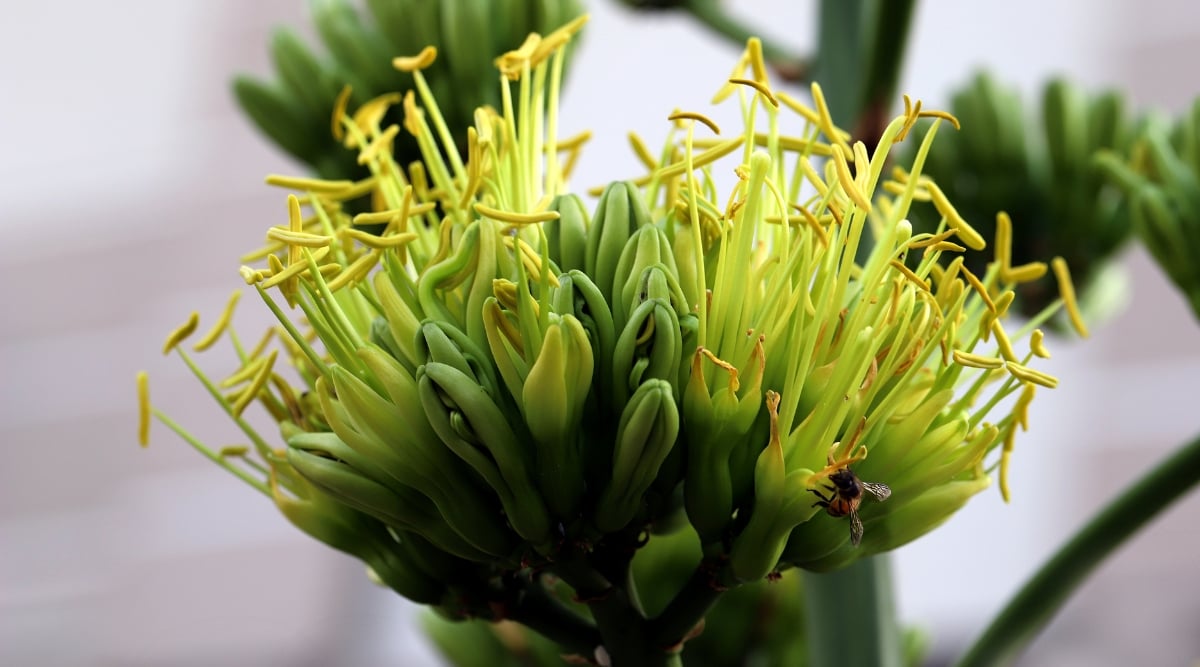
(294, 109)
(1162, 182)
(1039, 168)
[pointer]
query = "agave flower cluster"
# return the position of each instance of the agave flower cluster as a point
(501, 382)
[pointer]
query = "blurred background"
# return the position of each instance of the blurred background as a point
(130, 184)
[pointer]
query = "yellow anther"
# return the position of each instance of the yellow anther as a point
(1026, 273)
(418, 62)
(979, 287)
(301, 239)
(338, 119)
(255, 386)
(760, 87)
(215, 332)
(908, 273)
(965, 231)
(754, 53)
(825, 119)
(233, 451)
(1067, 290)
(251, 275)
(692, 115)
(1005, 455)
(293, 270)
(946, 246)
(847, 181)
(1006, 348)
(926, 240)
(738, 70)
(1027, 374)
(262, 344)
(307, 184)
(143, 391)
(380, 242)
(977, 361)
(181, 332)
(383, 142)
(643, 153)
(356, 271)
(515, 218)
(1003, 243)
(1021, 409)
(1036, 344)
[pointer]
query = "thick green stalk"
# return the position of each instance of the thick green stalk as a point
(850, 616)
(1043, 595)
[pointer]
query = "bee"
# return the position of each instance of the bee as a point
(845, 494)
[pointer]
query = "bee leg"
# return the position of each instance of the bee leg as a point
(824, 500)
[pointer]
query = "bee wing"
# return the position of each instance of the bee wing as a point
(856, 528)
(880, 491)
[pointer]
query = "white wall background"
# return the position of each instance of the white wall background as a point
(129, 183)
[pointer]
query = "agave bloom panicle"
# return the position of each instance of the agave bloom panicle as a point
(499, 381)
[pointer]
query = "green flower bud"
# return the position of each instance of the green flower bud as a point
(645, 437)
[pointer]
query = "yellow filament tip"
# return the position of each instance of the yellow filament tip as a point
(1067, 289)
(219, 328)
(418, 62)
(143, 390)
(183, 331)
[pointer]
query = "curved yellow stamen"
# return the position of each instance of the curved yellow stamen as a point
(760, 87)
(1036, 344)
(181, 332)
(143, 391)
(418, 62)
(965, 231)
(1067, 289)
(692, 115)
(215, 332)
(307, 184)
(1022, 372)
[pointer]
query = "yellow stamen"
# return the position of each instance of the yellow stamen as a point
(979, 288)
(1003, 243)
(255, 385)
(847, 181)
(692, 115)
(373, 241)
(339, 113)
(377, 217)
(977, 361)
(307, 184)
(926, 240)
(965, 231)
(574, 142)
(356, 271)
(1067, 289)
(183, 331)
(761, 88)
(379, 143)
(754, 54)
(1021, 409)
(1026, 273)
(515, 218)
(643, 153)
(302, 239)
(251, 275)
(1027, 374)
(1036, 344)
(143, 390)
(293, 270)
(418, 62)
(1006, 348)
(908, 273)
(218, 328)
(1005, 455)
(262, 344)
(946, 246)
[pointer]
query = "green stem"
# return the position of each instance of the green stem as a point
(851, 617)
(544, 614)
(1043, 595)
(622, 627)
(690, 604)
(787, 63)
